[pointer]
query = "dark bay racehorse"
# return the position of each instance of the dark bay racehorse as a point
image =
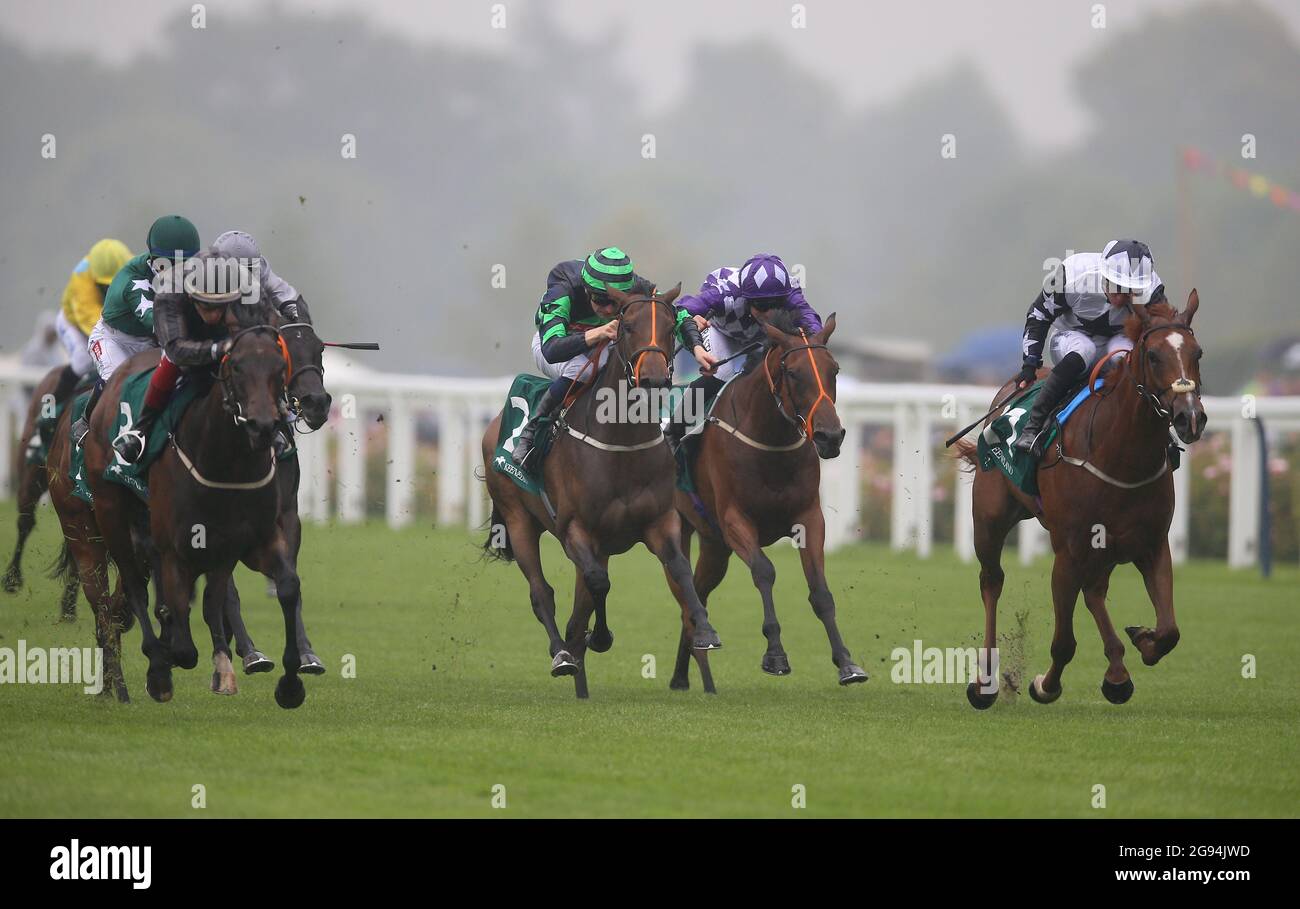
(758, 477)
(213, 502)
(1107, 497)
(32, 483)
(85, 556)
(611, 485)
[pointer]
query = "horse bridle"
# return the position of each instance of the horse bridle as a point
(1179, 386)
(632, 364)
(799, 421)
(295, 372)
(229, 401)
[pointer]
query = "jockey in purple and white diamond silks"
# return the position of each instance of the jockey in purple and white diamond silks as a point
(733, 303)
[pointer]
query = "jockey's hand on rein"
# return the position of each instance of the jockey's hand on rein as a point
(1028, 374)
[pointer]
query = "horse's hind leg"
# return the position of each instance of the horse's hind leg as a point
(1066, 584)
(996, 512)
(525, 536)
(233, 614)
(1117, 686)
(31, 484)
(92, 572)
(215, 600)
(1158, 573)
(741, 535)
(664, 539)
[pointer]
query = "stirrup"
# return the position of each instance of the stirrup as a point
(130, 455)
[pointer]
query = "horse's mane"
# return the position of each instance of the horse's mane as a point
(1161, 313)
(249, 314)
(783, 320)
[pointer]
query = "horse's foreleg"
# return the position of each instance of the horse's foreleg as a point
(1065, 594)
(177, 586)
(273, 561)
(1116, 685)
(215, 600)
(812, 555)
(663, 538)
(710, 569)
(1158, 574)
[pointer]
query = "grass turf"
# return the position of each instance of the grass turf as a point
(452, 696)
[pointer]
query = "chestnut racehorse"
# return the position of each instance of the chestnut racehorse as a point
(611, 486)
(758, 477)
(1106, 495)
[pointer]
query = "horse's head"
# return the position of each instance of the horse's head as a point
(252, 375)
(1168, 364)
(801, 374)
(645, 337)
(306, 382)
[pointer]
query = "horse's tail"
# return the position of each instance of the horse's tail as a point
(497, 534)
(64, 566)
(966, 453)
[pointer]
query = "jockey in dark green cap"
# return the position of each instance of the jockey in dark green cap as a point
(125, 326)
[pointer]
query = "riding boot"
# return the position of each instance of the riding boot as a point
(1033, 438)
(78, 430)
(67, 382)
(132, 444)
(705, 387)
(552, 399)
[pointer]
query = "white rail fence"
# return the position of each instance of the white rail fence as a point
(334, 475)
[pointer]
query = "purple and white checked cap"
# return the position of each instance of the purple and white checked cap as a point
(764, 276)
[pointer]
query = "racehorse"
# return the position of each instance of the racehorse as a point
(84, 555)
(32, 483)
(758, 479)
(611, 485)
(215, 482)
(1106, 495)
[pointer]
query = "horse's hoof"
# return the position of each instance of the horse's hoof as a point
(221, 686)
(776, 664)
(257, 662)
(852, 674)
(677, 684)
(310, 664)
(1039, 695)
(563, 664)
(978, 699)
(289, 692)
(600, 643)
(13, 581)
(1117, 694)
(159, 686)
(706, 640)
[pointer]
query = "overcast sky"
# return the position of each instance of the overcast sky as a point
(869, 50)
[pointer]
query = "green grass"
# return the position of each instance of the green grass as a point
(404, 738)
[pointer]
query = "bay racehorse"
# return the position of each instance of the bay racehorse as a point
(84, 556)
(610, 484)
(757, 475)
(32, 484)
(1106, 496)
(213, 502)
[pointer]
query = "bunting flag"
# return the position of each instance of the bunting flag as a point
(1259, 186)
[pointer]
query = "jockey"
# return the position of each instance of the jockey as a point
(83, 300)
(1088, 295)
(732, 304)
(238, 244)
(125, 325)
(577, 314)
(190, 325)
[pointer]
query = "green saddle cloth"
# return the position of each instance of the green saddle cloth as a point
(134, 477)
(525, 393)
(996, 444)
